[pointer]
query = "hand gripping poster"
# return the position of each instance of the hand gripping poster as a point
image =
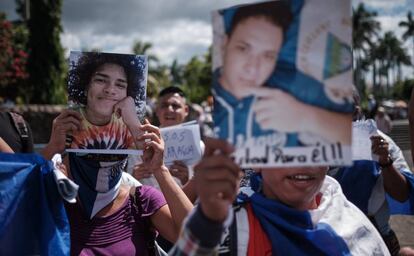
(282, 82)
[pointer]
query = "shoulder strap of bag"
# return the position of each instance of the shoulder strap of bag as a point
(21, 128)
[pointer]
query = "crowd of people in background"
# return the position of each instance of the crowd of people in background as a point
(204, 227)
(307, 210)
(139, 205)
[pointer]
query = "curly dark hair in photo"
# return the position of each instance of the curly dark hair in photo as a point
(81, 72)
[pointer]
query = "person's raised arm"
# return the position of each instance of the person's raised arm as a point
(216, 181)
(64, 124)
(280, 111)
(395, 183)
(168, 219)
(189, 190)
(4, 147)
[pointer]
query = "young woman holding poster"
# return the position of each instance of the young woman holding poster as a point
(114, 215)
(287, 211)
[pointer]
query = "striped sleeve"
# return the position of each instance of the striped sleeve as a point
(200, 235)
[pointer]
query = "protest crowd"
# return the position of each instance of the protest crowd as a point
(122, 177)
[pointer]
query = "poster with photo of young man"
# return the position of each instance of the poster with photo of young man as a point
(109, 91)
(282, 82)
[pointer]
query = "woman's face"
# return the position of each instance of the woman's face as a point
(107, 87)
(296, 187)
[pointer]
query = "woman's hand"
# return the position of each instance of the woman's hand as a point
(153, 156)
(380, 147)
(395, 184)
(179, 170)
(64, 125)
(141, 172)
(216, 179)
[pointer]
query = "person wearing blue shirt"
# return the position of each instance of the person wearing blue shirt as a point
(376, 187)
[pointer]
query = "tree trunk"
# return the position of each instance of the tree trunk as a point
(399, 72)
(374, 74)
(388, 80)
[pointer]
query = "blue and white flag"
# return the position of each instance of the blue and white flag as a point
(33, 220)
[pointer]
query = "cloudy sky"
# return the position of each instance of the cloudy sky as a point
(178, 29)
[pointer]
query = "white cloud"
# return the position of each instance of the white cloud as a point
(184, 35)
(387, 4)
(390, 23)
(70, 42)
(180, 40)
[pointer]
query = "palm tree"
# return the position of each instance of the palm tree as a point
(401, 58)
(392, 56)
(143, 48)
(365, 28)
(409, 26)
(374, 57)
(176, 71)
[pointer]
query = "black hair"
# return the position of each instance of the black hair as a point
(277, 12)
(82, 71)
(171, 89)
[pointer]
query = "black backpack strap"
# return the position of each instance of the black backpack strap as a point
(22, 129)
(149, 232)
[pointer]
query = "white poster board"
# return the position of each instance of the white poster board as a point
(182, 143)
(361, 142)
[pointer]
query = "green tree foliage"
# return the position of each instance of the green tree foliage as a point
(393, 55)
(197, 78)
(408, 25)
(365, 29)
(176, 72)
(161, 78)
(143, 48)
(402, 89)
(46, 64)
(13, 58)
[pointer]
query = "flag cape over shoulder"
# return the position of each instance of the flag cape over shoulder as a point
(336, 227)
(32, 217)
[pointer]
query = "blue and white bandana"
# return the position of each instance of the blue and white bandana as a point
(99, 181)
